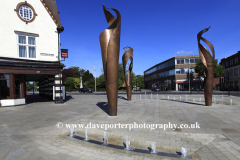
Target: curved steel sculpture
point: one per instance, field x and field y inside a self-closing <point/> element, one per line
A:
<point x="128" y="54"/>
<point x="110" y="42"/>
<point x="208" y="66"/>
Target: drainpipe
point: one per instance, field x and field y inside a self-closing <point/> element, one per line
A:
<point x="60" y="30"/>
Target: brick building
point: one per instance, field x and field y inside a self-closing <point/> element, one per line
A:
<point x="232" y="71"/>
<point x="172" y="74"/>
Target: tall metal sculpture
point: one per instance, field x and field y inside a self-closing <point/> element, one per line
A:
<point x="128" y="54"/>
<point x="208" y="66"/>
<point x="110" y="42"/>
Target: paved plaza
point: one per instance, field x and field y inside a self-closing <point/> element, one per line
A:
<point x="30" y="131"/>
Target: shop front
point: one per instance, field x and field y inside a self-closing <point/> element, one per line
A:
<point x="183" y="84"/>
<point x="15" y="73"/>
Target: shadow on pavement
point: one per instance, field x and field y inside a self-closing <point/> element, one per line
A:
<point x="36" y="98"/>
<point x="186" y="102"/>
<point x="103" y="106"/>
<point x="120" y="97"/>
<point x="69" y="97"/>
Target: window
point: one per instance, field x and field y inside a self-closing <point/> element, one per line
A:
<point x="192" y="60"/>
<point x="231" y="62"/>
<point x="235" y="71"/>
<point x="177" y="71"/>
<point x="4" y="86"/>
<point x="223" y="64"/>
<point x="226" y="73"/>
<point x="25" y="12"/>
<point x="182" y="71"/>
<point x="236" y="60"/>
<point x="231" y="72"/>
<point x="26" y="46"/>
<point x="180" y="61"/>
<point x="227" y="63"/>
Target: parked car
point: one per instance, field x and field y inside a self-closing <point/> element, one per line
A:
<point x="155" y="89"/>
<point x="85" y="89"/>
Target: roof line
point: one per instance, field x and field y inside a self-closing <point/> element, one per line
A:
<point x="56" y="20"/>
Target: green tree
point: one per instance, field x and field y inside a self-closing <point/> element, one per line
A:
<point x="100" y="81"/>
<point x="140" y="81"/>
<point x="29" y="86"/>
<point x="218" y="69"/>
<point x="87" y="76"/>
<point x="120" y="75"/>
<point x="69" y="83"/>
<point x="76" y="82"/>
<point x="77" y="72"/>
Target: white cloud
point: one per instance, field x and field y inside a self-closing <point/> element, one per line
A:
<point x="182" y="51"/>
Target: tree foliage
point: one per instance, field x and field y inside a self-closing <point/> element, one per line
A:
<point x="29" y="86"/>
<point x="77" y="71"/>
<point x="71" y="77"/>
<point x="100" y="81"/>
<point x="218" y="69"/>
<point x="69" y="83"/>
<point x="66" y="73"/>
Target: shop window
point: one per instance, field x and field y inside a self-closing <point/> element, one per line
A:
<point x="4" y="86"/>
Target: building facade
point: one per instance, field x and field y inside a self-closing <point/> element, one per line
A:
<point x="231" y="71"/>
<point x="173" y="74"/>
<point x="30" y="49"/>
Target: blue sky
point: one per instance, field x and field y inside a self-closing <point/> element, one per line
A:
<point x="156" y="29"/>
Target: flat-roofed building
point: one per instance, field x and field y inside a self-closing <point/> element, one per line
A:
<point x="172" y="74"/>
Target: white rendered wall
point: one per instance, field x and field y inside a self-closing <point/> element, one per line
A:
<point x="12" y="102"/>
<point x="43" y="25"/>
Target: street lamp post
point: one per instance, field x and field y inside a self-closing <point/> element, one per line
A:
<point x="95" y="78"/>
<point x="189" y="73"/>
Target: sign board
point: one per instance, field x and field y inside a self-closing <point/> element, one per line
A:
<point x="46" y="54"/>
<point x="64" y="53"/>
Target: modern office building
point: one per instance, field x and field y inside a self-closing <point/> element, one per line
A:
<point x="30" y="49"/>
<point x="172" y="74"/>
<point x="232" y="71"/>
